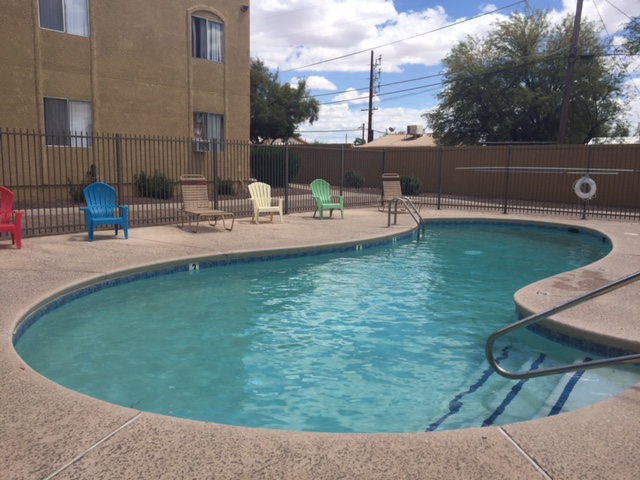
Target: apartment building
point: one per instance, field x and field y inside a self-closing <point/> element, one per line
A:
<point x="175" y="68"/>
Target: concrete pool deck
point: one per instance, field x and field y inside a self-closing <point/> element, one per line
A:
<point x="47" y="431"/>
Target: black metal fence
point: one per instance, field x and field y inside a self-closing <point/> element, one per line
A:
<point x="48" y="180"/>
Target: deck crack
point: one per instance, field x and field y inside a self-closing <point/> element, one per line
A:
<point x="92" y="447"/>
<point x="535" y="464"/>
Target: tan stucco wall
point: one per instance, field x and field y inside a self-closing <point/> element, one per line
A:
<point x="135" y="67"/>
<point x="17" y="105"/>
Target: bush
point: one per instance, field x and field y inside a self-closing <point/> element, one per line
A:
<point x="157" y="185"/>
<point x="410" y="185"/>
<point x="353" y="179"/>
<point x="268" y="165"/>
<point x="226" y="187"/>
<point x="76" y="191"/>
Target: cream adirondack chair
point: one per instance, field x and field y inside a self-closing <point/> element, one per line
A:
<point x="263" y="202"/>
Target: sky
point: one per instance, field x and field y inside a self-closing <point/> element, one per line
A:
<point x="329" y="44"/>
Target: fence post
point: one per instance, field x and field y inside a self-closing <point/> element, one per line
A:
<point x="342" y="170"/>
<point x="286" y="178"/>
<point x="585" y="202"/>
<point x="215" y="145"/>
<point x="119" y="168"/>
<point x="506" y="182"/>
<point x="440" y="178"/>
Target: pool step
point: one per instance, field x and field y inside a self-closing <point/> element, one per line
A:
<point x="499" y="401"/>
<point x="593" y="386"/>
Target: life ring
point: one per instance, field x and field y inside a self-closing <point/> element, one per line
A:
<point x="585" y="188"/>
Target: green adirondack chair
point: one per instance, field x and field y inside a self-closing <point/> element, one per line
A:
<point x="321" y="191"/>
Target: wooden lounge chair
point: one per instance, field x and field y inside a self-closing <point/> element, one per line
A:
<point x="263" y="202"/>
<point x="196" y="204"/>
<point x="10" y="220"/>
<point x="101" y="209"/>
<point x="321" y="191"/>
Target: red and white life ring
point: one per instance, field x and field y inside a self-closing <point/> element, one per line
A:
<point x="585" y="188"/>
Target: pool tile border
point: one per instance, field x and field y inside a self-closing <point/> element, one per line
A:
<point x="562" y="338"/>
<point x="81" y="292"/>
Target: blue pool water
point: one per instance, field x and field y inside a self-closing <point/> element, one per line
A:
<point x="385" y="339"/>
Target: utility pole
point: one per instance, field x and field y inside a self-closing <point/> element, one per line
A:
<point x="573" y="54"/>
<point x="372" y="78"/>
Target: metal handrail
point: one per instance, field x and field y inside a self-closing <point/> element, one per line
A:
<point x="411" y="208"/>
<point x="621" y="360"/>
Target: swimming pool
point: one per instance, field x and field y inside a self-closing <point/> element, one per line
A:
<point x="301" y="353"/>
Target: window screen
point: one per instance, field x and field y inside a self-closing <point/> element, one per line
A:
<point x="70" y="16"/>
<point x="67" y="122"/>
<point x="207" y="39"/>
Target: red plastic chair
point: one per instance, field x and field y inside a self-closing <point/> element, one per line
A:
<point x="10" y="220"/>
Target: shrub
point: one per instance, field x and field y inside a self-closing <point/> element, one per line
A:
<point x="353" y="179"/>
<point x="410" y="185"/>
<point x="226" y="187"/>
<point x="268" y="165"/>
<point x="157" y="185"/>
<point x="76" y="191"/>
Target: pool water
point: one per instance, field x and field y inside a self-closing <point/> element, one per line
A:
<point x="385" y="339"/>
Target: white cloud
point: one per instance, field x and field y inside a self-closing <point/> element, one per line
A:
<point x="353" y="96"/>
<point x="339" y="123"/>
<point x="311" y="33"/>
<point x="315" y="82"/>
<point x="289" y="34"/>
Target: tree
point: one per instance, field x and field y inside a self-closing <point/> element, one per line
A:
<point x="277" y="109"/>
<point x="632" y="35"/>
<point x="507" y="86"/>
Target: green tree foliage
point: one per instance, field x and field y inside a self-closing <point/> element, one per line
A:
<point x="277" y="109"/>
<point x="632" y="36"/>
<point x="508" y="86"/>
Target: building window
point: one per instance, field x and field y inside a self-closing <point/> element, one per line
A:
<point x="207" y="128"/>
<point x="67" y="122"/>
<point x="207" y="39"/>
<point x="70" y="16"/>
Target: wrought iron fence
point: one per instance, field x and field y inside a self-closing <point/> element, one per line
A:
<point x="48" y="180"/>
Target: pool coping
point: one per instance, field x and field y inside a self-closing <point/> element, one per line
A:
<point x="51" y="432"/>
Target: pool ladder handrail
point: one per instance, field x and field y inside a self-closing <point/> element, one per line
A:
<point x="411" y="208"/>
<point x="607" y="362"/>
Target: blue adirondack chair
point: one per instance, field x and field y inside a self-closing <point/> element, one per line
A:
<point x="321" y="191"/>
<point x="101" y="209"/>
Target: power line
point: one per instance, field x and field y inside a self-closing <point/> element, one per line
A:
<point x="620" y="65"/>
<point x="380" y="85"/>
<point x="616" y="9"/>
<point x="330" y="131"/>
<point x="405" y="39"/>
<point x="384" y="94"/>
<point x="548" y="57"/>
